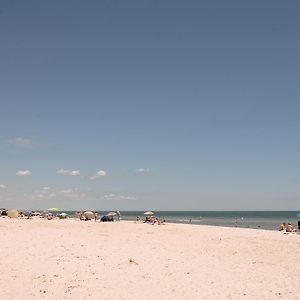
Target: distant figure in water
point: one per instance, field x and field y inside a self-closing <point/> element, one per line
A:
<point x="190" y="221"/>
<point x="236" y="222"/>
<point x="282" y="227"/>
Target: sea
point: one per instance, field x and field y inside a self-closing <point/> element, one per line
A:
<point x="269" y="220"/>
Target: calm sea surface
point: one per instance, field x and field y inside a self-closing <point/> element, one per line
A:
<point x="246" y="219"/>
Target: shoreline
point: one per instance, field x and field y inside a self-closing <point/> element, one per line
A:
<point x="269" y="220"/>
<point x="141" y="222"/>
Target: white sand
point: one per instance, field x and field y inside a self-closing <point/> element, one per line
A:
<point x="68" y="259"/>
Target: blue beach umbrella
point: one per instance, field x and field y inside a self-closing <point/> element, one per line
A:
<point x="27" y="213"/>
<point x="298" y="214"/>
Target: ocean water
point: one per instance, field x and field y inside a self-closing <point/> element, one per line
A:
<point x="247" y="219"/>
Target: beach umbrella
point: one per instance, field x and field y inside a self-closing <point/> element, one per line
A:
<point x="27" y="213"/>
<point x="62" y="215"/>
<point x="148" y="213"/>
<point x="13" y="213"/>
<point x="89" y="215"/>
<point x="298" y="214"/>
<point x="53" y="209"/>
<point x="112" y="213"/>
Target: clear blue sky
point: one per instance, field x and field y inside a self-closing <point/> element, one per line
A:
<point x="183" y="105"/>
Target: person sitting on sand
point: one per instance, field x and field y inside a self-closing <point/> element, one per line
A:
<point x="154" y="220"/>
<point x="290" y="228"/>
<point x="282" y="227"/>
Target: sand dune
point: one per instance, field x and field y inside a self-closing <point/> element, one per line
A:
<point x="70" y="259"/>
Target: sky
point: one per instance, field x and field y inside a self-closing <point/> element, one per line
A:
<point x="150" y="105"/>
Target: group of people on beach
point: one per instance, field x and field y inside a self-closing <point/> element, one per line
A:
<point x="151" y="220"/>
<point x="289" y="227"/>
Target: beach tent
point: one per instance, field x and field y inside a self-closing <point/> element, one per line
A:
<point x="112" y="216"/>
<point x="148" y="213"/>
<point x="107" y="219"/>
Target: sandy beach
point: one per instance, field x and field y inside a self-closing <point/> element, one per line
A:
<point x="71" y="259"/>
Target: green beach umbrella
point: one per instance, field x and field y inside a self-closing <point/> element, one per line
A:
<point x="53" y="209"/>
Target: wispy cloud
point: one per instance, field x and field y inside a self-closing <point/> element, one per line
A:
<point x="119" y="197"/>
<point x="110" y="196"/>
<point x="46" y="196"/>
<point x="23" y="173"/>
<point x="142" y="171"/>
<point x="68" y="173"/>
<point x="42" y="194"/>
<point x="20" y="142"/>
<point x="73" y="193"/>
<point x="100" y="173"/>
<point x="3" y="186"/>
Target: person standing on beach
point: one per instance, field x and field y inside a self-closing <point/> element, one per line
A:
<point x="96" y="216"/>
